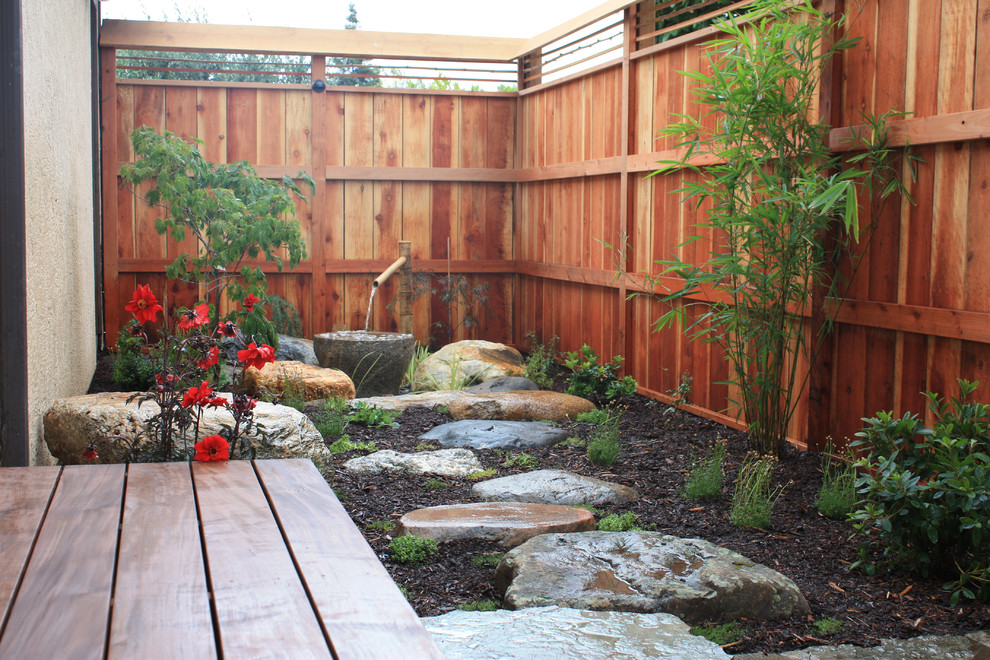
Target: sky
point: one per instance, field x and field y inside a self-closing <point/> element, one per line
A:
<point x="502" y="18"/>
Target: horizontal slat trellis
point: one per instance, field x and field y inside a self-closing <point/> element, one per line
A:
<point x="527" y="187"/>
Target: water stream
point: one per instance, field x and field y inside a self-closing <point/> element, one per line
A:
<point x="371" y="299"/>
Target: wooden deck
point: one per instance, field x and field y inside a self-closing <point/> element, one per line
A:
<point x="233" y="560"/>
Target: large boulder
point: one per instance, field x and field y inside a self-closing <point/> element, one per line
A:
<point x="312" y="382"/>
<point x="644" y="572"/>
<point x="111" y="423"/>
<point x="488" y="434"/>
<point x="444" y="462"/>
<point x="508" y="523"/>
<point x="553" y="487"/>
<point x="469" y="361"/>
<point x="556" y="633"/>
<point x="542" y="405"/>
<point x="503" y="384"/>
<point x="401" y="402"/>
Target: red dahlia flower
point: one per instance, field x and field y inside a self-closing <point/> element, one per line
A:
<point x="227" y="329"/>
<point x="198" y="396"/>
<point x="89" y="453"/>
<point x="193" y="318"/>
<point x="250" y="301"/>
<point x="212" y="357"/>
<point x="144" y="305"/>
<point x="212" y="448"/>
<point x="243" y="403"/>
<point x="255" y="356"/>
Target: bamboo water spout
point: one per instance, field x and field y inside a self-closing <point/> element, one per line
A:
<point x="387" y="273"/>
<point x="404" y="265"/>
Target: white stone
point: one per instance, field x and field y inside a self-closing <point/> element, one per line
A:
<point x="445" y="462"/>
<point x="553" y="487"/>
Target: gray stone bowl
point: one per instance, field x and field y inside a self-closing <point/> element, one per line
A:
<point x="375" y="361"/>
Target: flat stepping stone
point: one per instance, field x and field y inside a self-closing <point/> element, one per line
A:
<point x="553" y="487"/>
<point x="555" y="633"/>
<point x="944" y="647"/>
<point x="401" y="402"/>
<point x="493" y="434"/>
<point x="644" y="572"/>
<point x="444" y="462"/>
<point x="507" y="523"/>
<point x="518" y="406"/>
<point x="503" y="384"/>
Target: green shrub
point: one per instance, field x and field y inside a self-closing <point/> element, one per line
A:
<point x="487" y="559"/>
<point x="420" y="353"/>
<point x="435" y="484"/>
<point x="344" y="444"/>
<point x="133" y="372"/>
<point x="482" y="474"/>
<point x="572" y="442"/>
<point x="625" y="522"/>
<point x="479" y="606"/>
<point x="332" y="419"/>
<point x="828" y="626"/>
<point x="293" y="392"/>
<point x="603" y="445"/>
<point x="596" y="416"/>
<point x="373" y="416"/>
<point x="754" y="497"/>
<point x="706" y="476"/>
<point x="721" y="634"/>
<point x="522" y="460"/>
<point x="413" y="550"/>
<point x="837" y="496"/>
<point x="425" y="446"/>
<point x="540" y="361"/>
<point x="925" y="493"/>
<point x="592" y="380"/>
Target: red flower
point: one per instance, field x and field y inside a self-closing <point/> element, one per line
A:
<point x="212" y="448"/>
<point x="216" y="402"/>
<point x="89" y="453"/>
<point x="168" y="378"/>
<point x="193" y="318"/>
<point x="212" y="357"/>
<point x="243" y="403"/>
<point x="197" y="396"/>
<point x="227" y="329"/>
<point x="256" y="357"/>
<point x="250" y="301"/>
<point x="144" y="305"/>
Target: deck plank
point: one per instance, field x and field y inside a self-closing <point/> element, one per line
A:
<point x="24" y="495"/>
<point x="63" y="604"/>
<point x="161" y="603"/>
<point x="257" y="592"/>
<point x="364" y="612"/>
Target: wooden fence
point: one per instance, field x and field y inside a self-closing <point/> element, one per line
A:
<point x="526" y="186"/>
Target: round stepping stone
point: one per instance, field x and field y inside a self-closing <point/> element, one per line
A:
<point x="507" y="523"/>
<point x="555" y="633"/>
<point x="553" y="487"/>
<point x="489" y="434"/>
<point x="693" y="579"/>
<point x="445" y="462"/>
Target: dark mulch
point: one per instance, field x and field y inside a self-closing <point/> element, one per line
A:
<point x="812" y="550"/>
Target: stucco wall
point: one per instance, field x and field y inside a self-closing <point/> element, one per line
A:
<point x="59" y="206"/>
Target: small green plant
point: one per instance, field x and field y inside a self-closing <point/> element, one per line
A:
<point x="435" y="484"/>
<point x="132" y="371"/>
<point x="332" y="419"/>
<point x="572" y="442"/>
<point x="925" y="493"/>
<point x="828" y="626"/>
<point x="285" y="318"/>
<point x="487" y="559"/>
<point x="837" y="496"/>
<point x="425" y="446"/>
<point x="381" y="525"/>
<point x="479" y="606"/>
<point x="405" y="592"/>
<point x="522" y="460"/>
<point x="706" y="476"/>
<point x="540" y="362"/>
<point x="594" y="380"/>
<point x="595" y="511"/>
<point x="293" y="392"/>
<point x="603" y="445"/>
<point x="373" y="416"/>
<point x="420" y="353"/>
<point x="413" y="550"/>
<point x="721" y="633"/>
<point x="754" y="496"/>
<point x="596" y="416"/>
<point x="443" y="410"/>
<point x="344" y="444"/>
<point x="679" y="396"/>
<point x="624" y="522"/>
<point x="482" y="474"/>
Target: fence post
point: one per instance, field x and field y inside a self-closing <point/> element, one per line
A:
<point x="321" y="321"/>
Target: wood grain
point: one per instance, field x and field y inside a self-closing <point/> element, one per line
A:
<point x="63" y="605"/>
<point x="160" y="598"/>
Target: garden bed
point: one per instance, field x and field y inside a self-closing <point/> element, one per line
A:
<point x="812" y="550"/>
